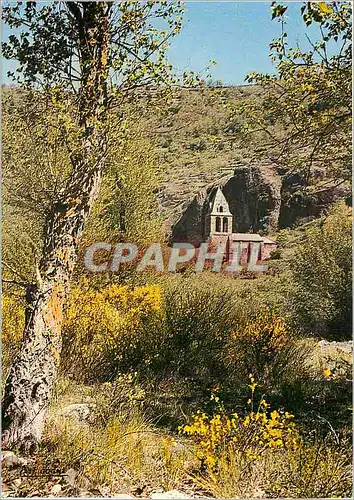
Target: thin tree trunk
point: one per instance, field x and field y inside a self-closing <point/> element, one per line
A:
<point x="33" y="372"/>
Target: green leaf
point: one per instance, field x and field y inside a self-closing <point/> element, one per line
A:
<point x="278" y="11"/>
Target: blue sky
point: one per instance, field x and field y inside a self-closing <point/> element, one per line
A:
<point x="235" y="34"/>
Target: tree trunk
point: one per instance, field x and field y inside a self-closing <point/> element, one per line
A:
<point x="33" y="372"/>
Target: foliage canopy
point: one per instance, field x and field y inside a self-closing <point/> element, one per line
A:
<point x="304" y="117"/>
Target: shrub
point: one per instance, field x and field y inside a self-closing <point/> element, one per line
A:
<point x="102" y="329"/>
<point x="220" y="435"/>
<point x="322" y="270"/>
<point x="275" y="254"/>
<point x="255" y="347"/>
<point x="120" y="398"/>
<point x="264" y="454"/>
<point x="194" y="331"/>
<point x="319" y="468"/>
<point x="197" y="145"/>
<point x="181" y="330"/>
<point x="206" y="333"/>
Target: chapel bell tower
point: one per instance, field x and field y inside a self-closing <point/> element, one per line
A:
<point x="219" y="217"/>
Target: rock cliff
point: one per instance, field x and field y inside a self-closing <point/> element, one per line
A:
<point x="260" y="200"/>
<point x="254" y="196"/>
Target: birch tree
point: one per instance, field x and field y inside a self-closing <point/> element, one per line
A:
<point x="95" y="54"/>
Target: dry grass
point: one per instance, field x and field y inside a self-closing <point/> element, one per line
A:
<point x="115" y="453"/>
<point x="316" y="470"/>
<point x="118" y="449"/>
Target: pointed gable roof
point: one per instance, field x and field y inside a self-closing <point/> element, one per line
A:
<point x="219" y="201"/>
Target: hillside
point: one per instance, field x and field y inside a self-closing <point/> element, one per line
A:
<point x="199" y="145"/>
<point x="196" y="141"/>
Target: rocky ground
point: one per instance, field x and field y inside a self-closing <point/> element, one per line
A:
<point x="19" y="472"/>
<point x="23" y="476"/>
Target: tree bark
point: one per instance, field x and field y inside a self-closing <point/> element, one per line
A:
<point x="29" y="385"/>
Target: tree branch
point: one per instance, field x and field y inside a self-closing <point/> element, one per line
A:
<point x="10" y="268"/>
<point x="14" y="282"/>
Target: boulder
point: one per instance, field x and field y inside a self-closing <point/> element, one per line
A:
<point x="123" y="495"/>
<point x="11" y="460"/>
<point x="56" y="489"/>
<point x="82" y="412"/>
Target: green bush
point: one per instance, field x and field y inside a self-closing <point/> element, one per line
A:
<point x="193" y="334"/>
<point x="322" y="274"/>
<point x="253" y="348"/>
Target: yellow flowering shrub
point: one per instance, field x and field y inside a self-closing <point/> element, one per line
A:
<point x="268" y="330"/>
<point x="257" y="344"/>
<point x="102" y="324"/>
<point x="220" y="435"/>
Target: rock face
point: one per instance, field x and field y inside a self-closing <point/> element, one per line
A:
<point x="253" y="194"/>
<point x="254" y="199"/>
<point x="190" y="224"/>
<point x="260" y="200"/>
<point x="296" y="204"/>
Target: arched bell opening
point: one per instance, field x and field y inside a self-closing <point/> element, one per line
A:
<point x="218" y="224"/>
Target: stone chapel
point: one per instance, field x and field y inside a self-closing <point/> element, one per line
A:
<point x="218" y="229"/>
